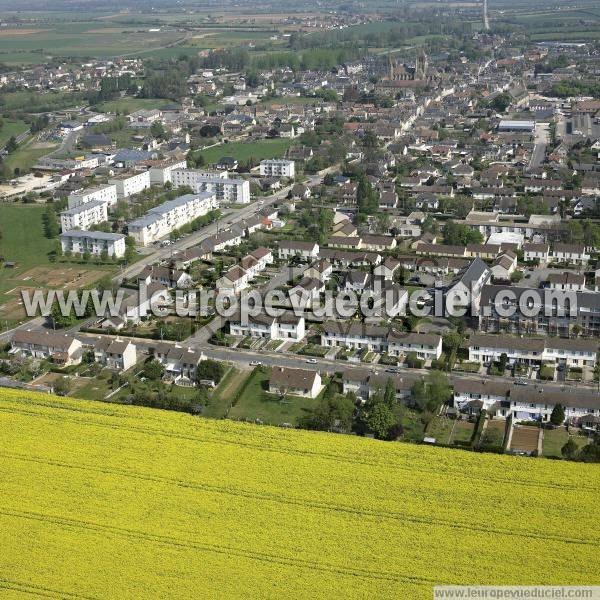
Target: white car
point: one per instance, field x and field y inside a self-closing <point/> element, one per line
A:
<point x="255" y="363"/>
<point x="312" y="361"/>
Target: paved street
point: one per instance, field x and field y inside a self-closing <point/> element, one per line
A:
<point x="541" y="142"/>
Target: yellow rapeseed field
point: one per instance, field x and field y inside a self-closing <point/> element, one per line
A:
<point x="106" y="501"/>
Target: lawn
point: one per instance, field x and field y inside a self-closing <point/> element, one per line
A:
<point x="26" y="156"/>
<point x="11" y="127"/>
<point x="555" y="439"/>
<point x="462" y="432"/>
<point x="104" y="500"/>
<point x="256" y="403"/>
<point x="22" y="238"/>
<point x="23" y="241"/>
<point x="440" y="429"/>
<point x="224" y="394"/>
<point x="242" y="151"/>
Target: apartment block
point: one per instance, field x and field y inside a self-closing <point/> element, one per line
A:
<point x="277" y="168"/>
<point x="94" y="242"/>
<point x="226" y="189"/>
<point x="84" y="216"/>
<point x="173" y="214"/>
<point x="128" y="184"/>
<point x="103" y="193"/>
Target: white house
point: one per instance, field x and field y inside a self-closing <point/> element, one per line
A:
<point x="536" y="252"/>
<point x="572" y="282"/>
<point x="59" y="347"/>
<point x="94" y="242"/>
<point x="117" y="354"/>
<point x="84" y="216"/>
<point x="305" y="250"/>
<point x="235" y="279"/>
<point x="574" y="254"/>
<point x="297" y="382"/>
<point x="533" y="351"/>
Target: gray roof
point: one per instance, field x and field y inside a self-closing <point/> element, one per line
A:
<point x="97" y="235"/>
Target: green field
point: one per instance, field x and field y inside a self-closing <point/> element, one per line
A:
<point x="110" y="501"/>
<point x="555" y="439"/>
<point x="94" y="38"/>
<point x="256" y="403"/>
<point x="24" y="242"/>
<point x="11" y="127"/>
<point x="242" y="151"/>
<point x="23" y="237"/>
<point x="25" y="157"/>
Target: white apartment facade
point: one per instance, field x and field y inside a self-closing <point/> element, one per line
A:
<point x="161" y="220"/>
<point x="84" y="216"/>
<point x="94" y="242"/>
<point x="129" y="184"/>
<point x="161" y="173"/>
<point x="226" y="189"/>
<point x="277" y="168"/>
<point x="103" y="193"/>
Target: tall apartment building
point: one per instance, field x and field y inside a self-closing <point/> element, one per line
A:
<point x="102" y="193"/>
<point x="160" y="173"/>
<point x="94" y="242"/>
<point x="84" y="216"/>
<point x="226" y="189"/>
<point x="161" y="220"/>
<point x="129" y="184"/>
<point x="277" y="168"/>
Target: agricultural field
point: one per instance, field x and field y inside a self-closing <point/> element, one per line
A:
<point x="114" y="501"/>
<point x="242" y="151"/>
<point x="94" y="38"/>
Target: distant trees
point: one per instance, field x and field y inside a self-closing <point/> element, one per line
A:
<point x="153" y="370"/>
<point x="501" y="102"/>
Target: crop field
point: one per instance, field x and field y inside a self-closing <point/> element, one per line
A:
<point x="110" y="501"/>
<point x="95" y="39"/>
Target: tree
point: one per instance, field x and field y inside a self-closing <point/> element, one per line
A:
<point x="389" y="395"/>
<point x="381" y="420"/>
<point x="501" y="102"/>
<point x="158" y="131"/>
<point x="458" y="234"/>
<point x="570" y="449"/>
<point x="11" y="145"/>
<point x="503" y="362"/>
<point x="557" y="416"/>
<point x="431" y="392"/>
<point x="210" y="370"/>
<point x="62" y="386"/>
<point x="153" y="370"/>
<point x="334" y="412"/>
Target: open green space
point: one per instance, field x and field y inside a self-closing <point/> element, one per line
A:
<point x="555" y="439"/>
<point x="255" y="403"/>
<point x="242" y="151"/>
<point x="223" y="395"/>
<point x="11" y="127"/>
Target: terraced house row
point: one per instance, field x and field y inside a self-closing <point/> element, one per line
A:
<point x="534" y="351"/>
<point x="375" y="338"/>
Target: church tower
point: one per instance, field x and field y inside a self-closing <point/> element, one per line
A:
<point x="421" y="66"/>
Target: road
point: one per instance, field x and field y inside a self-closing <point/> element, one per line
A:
<point x="541" y="143"/>
<point x="233" y="216"/>
<point x="243" y="359"/>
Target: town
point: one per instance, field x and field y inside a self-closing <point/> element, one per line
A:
<point x="439" y="169"/>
